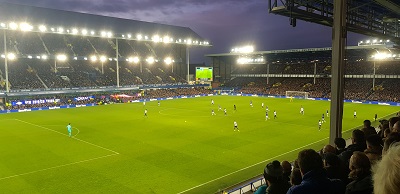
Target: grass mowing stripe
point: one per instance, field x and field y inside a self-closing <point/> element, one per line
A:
<point x="269" y="159"/>
<point x="54" y="167"/>
<point x="67" y="136"/>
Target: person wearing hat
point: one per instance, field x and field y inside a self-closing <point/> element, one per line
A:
<point x="273" y="174"/>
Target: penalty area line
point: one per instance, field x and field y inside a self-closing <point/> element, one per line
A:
<point x="234" y="172"/>
<point x="54" y="167"/>
<point x="95" y="145"/>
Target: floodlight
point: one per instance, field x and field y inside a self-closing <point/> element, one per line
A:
<point x="109" y="34"/>
<point x="61" y="57"/>
<point x="52" y="29"/>
<point x="150" y="60"/>
<point x="139" y="37"/>
<point x="374" y="41"/>
<point x="84" y="32"/>
<point x="123" y="36"/>
<point x="189" y="41"/>
<point x="368" y="41"/>
<point x="11" y="56"/>
<point x="110" y="59"/>
<point x="103" y="58"/>
<point x="60" y="30"/>
<point x="129" y="36"/>
<point x="29" y="56"/>
<point x="146" y="37"/>
<point x="92" y="32"/>
<point x="135" y="60"/>
<point x="74" y="31"/>
<point x="387" y="40"/>
<point x="156" y="38"/>
<point x="13" y="25"/>
<point x="93" y="58"/>
<point x="85" y="58"/>
<point x="180" y="40"/>
<point x="42" y="28"/>
<point x="25" y="26"/>
<point x="3" y="25"/>
<point x="380" y="40"/>
<point x="44" y="57"/>
<point x="361" y="42"/>
<point x="75" y="58"/>
<point x="168" y="60"/>
<point x="103" y="34"/>
<point x="166" y="39"/>
<point x="3" y="56"/>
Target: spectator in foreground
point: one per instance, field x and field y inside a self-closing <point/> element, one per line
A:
<point x="374" y="148"/>
<point x="315" y="180"/>
<point x="396" y="127"/>
<point x="368" y="129"/>
<point x="273" y="174"/>
<point x="358" y="144"/>
<point x="392" y="121"/>
<point x="360" y="173"/>
<point x="333" y="167"/>
<point x="386" y="174"/>
<point x="295" y="177"/>
<point x="340" y="145"/>
<point x="287" y="170"/>
<point x="391" y="139"/>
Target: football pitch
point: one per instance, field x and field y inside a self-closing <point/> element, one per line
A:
<point x="179" y="147"/>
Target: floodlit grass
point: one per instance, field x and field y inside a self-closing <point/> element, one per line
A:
<point x="179" y="147"/>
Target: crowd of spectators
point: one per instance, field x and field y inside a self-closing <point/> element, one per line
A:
<point x="368" y="165"/>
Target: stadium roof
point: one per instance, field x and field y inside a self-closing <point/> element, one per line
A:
<point x="359" y="52"/>
<point x="58" y="18"/>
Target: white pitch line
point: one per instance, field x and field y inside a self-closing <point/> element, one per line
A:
<point x="67" y="136"/>
<point x="76" y="133"/>
<point x="265" y="160"/>
<point x="54" y="167"/>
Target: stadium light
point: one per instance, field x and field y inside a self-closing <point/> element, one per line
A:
<point x="75" y="31"/>
<point x="42" y="28"/>
<point x="146" y="37"/>
<point x="244" y="49"/>
<point x="52" y="29"/>
<point x="168" y="60"/>
<point x="25" y="26"/>
<point x="155" y="38"/>
<point x="133" y="60"/>
<point x="29" y="56"/>
<point x="139" y="37"/>
<point x="3" y="25"/>
<point x="61" y="57"/>
<point x="84" y="32"/>
<point x="60" y="30"/>
<point x="103" y="33"/>
<point x="150" y="60"/>
<point x="3" y="56"/>
<point x="13" y="25"/>
<point x="166" y="39"/>
<point x="11" y="56"/>
<point x="129" y="36"/>
<point x="103" y="58"/>
<point x="189" y="41"/>
<point x="381" y="56"/>
<point x="109" y="34"/>
<point x="93" y="58"/>
<point x="44" y="57"/>
<point x="92" y="32"/>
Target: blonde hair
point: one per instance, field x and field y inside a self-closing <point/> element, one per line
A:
<point x="386" y="173"/>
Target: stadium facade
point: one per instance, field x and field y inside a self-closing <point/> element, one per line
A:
<point x="47" y="49"/>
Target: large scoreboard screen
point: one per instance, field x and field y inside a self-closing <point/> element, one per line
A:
<point x="204" y="74"/>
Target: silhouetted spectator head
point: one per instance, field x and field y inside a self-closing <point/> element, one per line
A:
<point x="386" y="133"/>
<point x="273" y="172"/>
<point x="374" y="142"/>
<point x="359" y="165"/>
<point x="392" y="121"/>
<point x="331" y="159"/>
<point x="367" y="123"/>
<point x="309" y="160"/>
<point x="386" y="173"/>
<point x="328" y="149"/>
<point x="287" y="167"/>
<point x="396" y="127"/>
<point x="295" y="177"/>
<point x="358" y="137"/>
<point x="391" y="139"/>
<point x="340" y="143"/>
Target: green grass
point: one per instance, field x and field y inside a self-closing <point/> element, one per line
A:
<point x="178" y="147"/>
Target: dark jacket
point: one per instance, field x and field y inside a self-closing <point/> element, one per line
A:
<point x="317" y="182"/>
<point x="345" y="156"/>
<point x="362" y="185"/>
<point x="280" y="187"/>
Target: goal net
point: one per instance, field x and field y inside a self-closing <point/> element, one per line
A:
<point x="298" y="94"/>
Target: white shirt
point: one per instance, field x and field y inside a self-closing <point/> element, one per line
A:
<point x="319" y="123"/>
<point x="235" y="124"/>
<point x="274" y="112"/>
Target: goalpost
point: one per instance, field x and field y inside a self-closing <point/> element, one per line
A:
<point x="298" y="94"/>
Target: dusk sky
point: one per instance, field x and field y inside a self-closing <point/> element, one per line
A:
<point x="225" y="23"/>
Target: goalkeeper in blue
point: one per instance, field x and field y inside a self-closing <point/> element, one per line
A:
<point x="69" y="128"/>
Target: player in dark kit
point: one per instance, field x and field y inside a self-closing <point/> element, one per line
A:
<point x="234" y="107"/>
